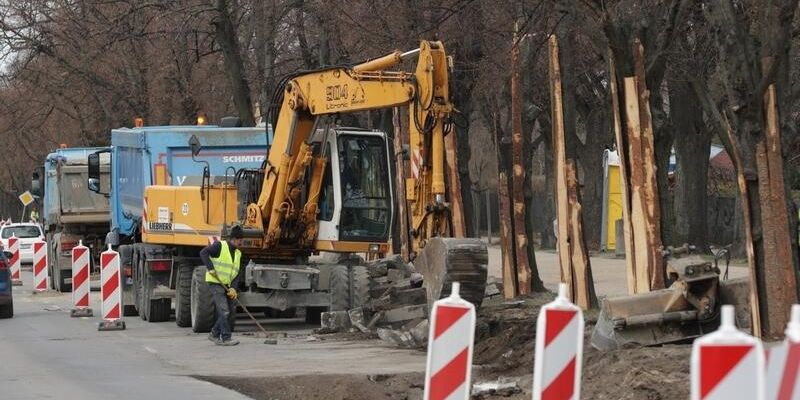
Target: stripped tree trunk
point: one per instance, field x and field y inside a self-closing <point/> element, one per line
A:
<point x="576" y="271"/>
<point x="559" y="149"/>
<point x="655" y="262"/>
<point x="506" y="237"/>
<point x="585" y="296"/>
<point x="459" y="227"/>
<point x="779" y="280"/>
<point x="518" y="177"/>
<point x="400" y="183"/>
<point x="622" y="145"/>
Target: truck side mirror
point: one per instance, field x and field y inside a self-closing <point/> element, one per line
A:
<point x="36" y="184"/>
<point x="94" y="173"/>
<point x="194" y="144"/>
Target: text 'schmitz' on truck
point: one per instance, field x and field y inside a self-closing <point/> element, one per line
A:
<point x="328" y="188"/>
<point x="160" y="156"/>
<point x="70" y="213"/>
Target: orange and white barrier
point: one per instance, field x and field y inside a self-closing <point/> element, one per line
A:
<point x="110" y="291"/>
<point x="559" y="350"/>
<point x="13" y="248"/>
<point x="80" y="281"/>
<point x="39" y="266"/>
<point x="450" y="340"/>
<point x="727" y="364"/>
<point x="783" y="363"/>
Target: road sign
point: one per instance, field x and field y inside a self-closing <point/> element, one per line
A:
<point x="26" y="198"/>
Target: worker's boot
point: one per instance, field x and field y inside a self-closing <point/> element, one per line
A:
<point x="213" y="337"/>
<point x="228" y="342"/>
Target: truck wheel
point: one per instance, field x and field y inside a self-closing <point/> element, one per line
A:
<point x="157" y="310"/>
<point x="7" y="310"/>
<point x="201" y="304"/>
<point x="183" y="295"/>
<point x="349" y="287"/>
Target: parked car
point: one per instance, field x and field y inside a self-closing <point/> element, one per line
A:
<point x="6" y="299"/>
<point x="27" y="233"/>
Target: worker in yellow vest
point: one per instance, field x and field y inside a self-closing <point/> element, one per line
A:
<point x="223" y="261"/>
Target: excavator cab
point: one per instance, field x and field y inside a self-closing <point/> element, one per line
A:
<point x="356" y="197"/>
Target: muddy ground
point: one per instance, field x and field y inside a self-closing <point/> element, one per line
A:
<point x="504" y="348"/>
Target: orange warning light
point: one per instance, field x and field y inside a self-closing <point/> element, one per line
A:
<point x="138" y="122"/>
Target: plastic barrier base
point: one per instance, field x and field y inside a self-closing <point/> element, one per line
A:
<point x="16" y="282"/>
<point x="80" y="312"/>
<point x="117" y="325"/>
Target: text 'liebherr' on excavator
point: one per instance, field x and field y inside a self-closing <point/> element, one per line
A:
<point x="328" y="188"/>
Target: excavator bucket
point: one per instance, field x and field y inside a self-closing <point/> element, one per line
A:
<point x="687" y="309"/>
<point x="446" y="260"/>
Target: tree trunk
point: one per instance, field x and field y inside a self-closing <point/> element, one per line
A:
<point x="228" y="40"/>
<point x="518" y="177"/>
<point x="692" y="147"/>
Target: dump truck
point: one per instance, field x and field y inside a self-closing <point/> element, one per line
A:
<point x="328" y="188"/>
<point x="160" y="155"/>
<point x="70" y="213"/>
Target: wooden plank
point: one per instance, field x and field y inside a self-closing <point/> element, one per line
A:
<point x="518" y="177"/>
<point x="651" y="205"/>
<point x="459" y="228"/>
<point x="562" y="203"/>
<point x="779" y="277"/>
<point x="506" y="248"/>
<point x="630" y="254"/>
<point x="736" y="157"/>
<point x="400" y="183"/>
<point x="638" y="222"/>
<point x="581" y="267"/>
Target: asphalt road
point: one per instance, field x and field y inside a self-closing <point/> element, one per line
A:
<point x="46" y="354"/>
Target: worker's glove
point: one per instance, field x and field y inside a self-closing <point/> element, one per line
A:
<point x="212" y="272"/>
<point x="232" y="294"/>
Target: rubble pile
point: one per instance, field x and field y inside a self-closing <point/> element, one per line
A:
<point x="396" y="310"/>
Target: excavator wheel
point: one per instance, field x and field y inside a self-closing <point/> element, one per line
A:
<point x="446" y="260"/>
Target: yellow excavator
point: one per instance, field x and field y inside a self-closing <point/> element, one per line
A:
<point x="329" y="188"/>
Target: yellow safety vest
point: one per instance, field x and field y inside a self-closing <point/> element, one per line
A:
<point x="227" y="267"/>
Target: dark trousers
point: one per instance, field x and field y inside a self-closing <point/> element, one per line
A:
<point x="224" y="307"/>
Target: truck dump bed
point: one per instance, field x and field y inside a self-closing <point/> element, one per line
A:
<point x="67" y="199"/>
<point x="160" y="155"/>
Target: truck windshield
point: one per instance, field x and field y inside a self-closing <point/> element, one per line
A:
<point x="366" y="208"/>
<point x="22" y="232"/>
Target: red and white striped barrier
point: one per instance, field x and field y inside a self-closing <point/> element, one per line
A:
<point x="450" y="340"/>
<point x="559" y="350"/>
<point x="783" y="363"/>
<point x="727" y="364"/>
<point x="13" y="248"/>
<point x="110" y="291"/>
<point x="39" y="266"/>
<point x="80" y="281"/>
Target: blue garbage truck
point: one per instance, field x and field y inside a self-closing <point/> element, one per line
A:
<point x="161" y="155"/>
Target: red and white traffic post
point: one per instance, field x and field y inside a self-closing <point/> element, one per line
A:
<point x="80" y="281"/>
<point x="450" y="341"/>
<point x="39" y="266"/>
<point x="559" y="350"/>
<point x="783" y="363"/>
<point x="110" y="291"/>
<point x="13" y="248"/>
<point x="727" y="364"/>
